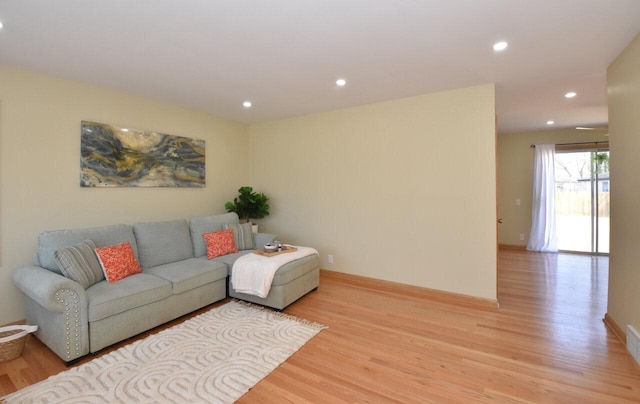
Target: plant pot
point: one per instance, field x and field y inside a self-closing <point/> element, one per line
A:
<point x="254" y="228"/>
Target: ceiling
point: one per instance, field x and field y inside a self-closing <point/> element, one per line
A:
<point x="285" y="55"/>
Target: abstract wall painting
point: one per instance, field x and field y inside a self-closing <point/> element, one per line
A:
<point x="113" y="156"/>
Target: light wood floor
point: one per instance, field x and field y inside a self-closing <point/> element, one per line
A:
<point x="393" y="343"/>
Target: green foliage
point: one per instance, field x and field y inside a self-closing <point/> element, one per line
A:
<point x="249" y="205"/>
<point x="601" y="162"/>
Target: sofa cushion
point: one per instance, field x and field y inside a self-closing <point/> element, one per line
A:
<point x="162" y="242"/>
<point x="108" y="299"/>
<point x="79" y="263"/>
<point x="219" y="243"/>
<point x="284" y="274"/>
<point x="242" y="235"/>
<point x="229" y="259"/>
<point x="117" y="261"/>
<point x="51" y="241"/>
<point x="295" y="269"/>
<point x="190" y="273"/>
<point x="207" y="224"/>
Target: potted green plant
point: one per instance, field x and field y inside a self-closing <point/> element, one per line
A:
<point x="249" y="205"/>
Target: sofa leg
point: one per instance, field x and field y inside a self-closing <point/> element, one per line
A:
<point x="73" y="362"/>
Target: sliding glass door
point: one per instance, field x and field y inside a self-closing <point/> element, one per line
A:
<point x="582" y="200"/>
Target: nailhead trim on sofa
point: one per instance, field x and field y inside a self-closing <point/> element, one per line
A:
<point x="72" y="320"/>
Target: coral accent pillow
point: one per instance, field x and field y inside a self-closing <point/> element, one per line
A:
<point x="118" y="261"/>
<point x="220" y="243"/>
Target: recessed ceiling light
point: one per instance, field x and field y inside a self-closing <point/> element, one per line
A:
<point x="1" y="25"/>
<point x="246" y="104"/>
<point x="341" y="82"/>
<point x="550" y="122"/>
<point x="570" y="94"/>
<point x="500" y="46"/>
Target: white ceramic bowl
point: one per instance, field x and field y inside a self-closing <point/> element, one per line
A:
<point x="270" y="247"/>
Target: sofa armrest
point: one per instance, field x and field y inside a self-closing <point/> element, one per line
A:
<point x="59" y="307"/>
<point x="263" y="238"/>
<point x="42" y="286"/>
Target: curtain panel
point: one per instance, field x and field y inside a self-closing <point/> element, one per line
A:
<point x="543" y="235"/>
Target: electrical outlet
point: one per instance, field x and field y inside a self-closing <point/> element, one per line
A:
<point x="521" y="237"/>
<point x="330" y="258"/>
<point x="517" y="202"/>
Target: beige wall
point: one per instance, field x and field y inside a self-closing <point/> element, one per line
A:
<point x="394" y="190"/>
<point x="623" y="78"/>
<point x="515" y="176"/>
<point x="40" y="163"/>
<point x="403" y="190"/>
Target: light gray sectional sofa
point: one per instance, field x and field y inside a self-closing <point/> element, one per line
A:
<point x="176" y="279"/>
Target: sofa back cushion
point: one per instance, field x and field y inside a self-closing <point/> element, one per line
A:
<point x="51" y="241"/>
<point x="207" y="224"/>
<point x="162" y="242"/>
<point x="242" y="235"/>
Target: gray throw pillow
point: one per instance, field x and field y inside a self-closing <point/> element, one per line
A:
<point x="79" y="263"/>
<point x="242" y="235"/>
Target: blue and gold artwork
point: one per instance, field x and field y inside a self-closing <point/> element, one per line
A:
<point x="120" y="157"/>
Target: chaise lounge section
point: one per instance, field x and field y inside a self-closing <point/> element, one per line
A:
<point x="291" y="281"/>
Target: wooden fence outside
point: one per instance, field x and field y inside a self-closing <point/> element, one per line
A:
<point x="579" y="203"/>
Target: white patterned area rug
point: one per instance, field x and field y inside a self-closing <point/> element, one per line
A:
<point x="214" y="357"/>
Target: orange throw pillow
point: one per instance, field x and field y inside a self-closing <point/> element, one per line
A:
<point x="118" y="261"/>
<point x="220" y="243"/>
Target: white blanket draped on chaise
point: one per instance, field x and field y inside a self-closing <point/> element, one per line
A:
<point x="252" y="274"/>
